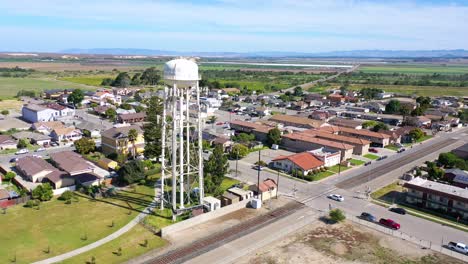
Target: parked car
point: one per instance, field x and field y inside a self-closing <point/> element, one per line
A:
<point x="14" y="160"/>
<point x="398" y="210"/>
<point x="257" y="167"/>
<point x="389" y="223"/>
<point x="367" y="163"/>
<point x="368" y="217"/>
<point x="373" y="150"/>
<point x="22" y="151"/>
<point x="401" y="150"/>
<point x="54" y="144"/>
<point x="336" y="197"/>
<point x="219" y="123"/>
<point x="459" y="247"/>
<point x="40" y="149"/>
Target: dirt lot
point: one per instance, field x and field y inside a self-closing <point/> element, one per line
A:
<point x="343" y="243"/>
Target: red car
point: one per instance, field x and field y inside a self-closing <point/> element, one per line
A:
<point x="389" y="223"/>
<point x="219" y="123"/>
<point x="373" y="150"/>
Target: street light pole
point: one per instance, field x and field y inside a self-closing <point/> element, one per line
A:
<point x="277" y="185"/>
<point x="258" y="174"/>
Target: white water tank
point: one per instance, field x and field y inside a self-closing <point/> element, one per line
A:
<point x="182" y="72"/>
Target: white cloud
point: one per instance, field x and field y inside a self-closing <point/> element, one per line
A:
<point x="302" y="25"/>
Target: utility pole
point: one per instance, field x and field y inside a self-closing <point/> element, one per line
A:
<point x="277" y="185"/>
<point x="258" y="174"/>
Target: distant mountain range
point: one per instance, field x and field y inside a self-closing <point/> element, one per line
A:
<point x="341" y="54"/>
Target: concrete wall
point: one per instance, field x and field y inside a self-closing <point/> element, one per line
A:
<point x="64" y="189"/>
<point x="168" y="230"/>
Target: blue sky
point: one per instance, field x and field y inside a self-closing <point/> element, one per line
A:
<point x="230" y="25"/>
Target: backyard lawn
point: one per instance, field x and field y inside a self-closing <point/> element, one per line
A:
<point x="322" y="175"/>
<point x="371" y="156"/>
<point x="28" y="233"/>
<point x="132" y="244"/>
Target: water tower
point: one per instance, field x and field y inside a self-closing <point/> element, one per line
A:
<point x="181" y="77"/>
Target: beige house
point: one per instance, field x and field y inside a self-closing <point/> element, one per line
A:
<point x="268" y="189"/>
<point x="34" y="169"/>
<point x="115" y="140"/>
<point x="7" y="142"/>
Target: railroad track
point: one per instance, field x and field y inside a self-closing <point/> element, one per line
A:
<point x="398" y="163"/>
<point x="211" y="242"/>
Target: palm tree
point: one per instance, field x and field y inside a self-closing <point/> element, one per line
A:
<point x="132" y="136"/>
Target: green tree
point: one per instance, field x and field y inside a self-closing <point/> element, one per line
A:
<point x="463" y="115"/>
<point x="22" y="143"/>
<point x="153" y="128"/>
<point x="393" y="107"/>
<point x="424" y="101"/>
<point x="416" y="134"/>
<point x="150" y="76"/>
<point x="380" y="126"/>
<point x="215" y="168"/>
<point x="435" y="173"/>
<point x="298" y="91"/>
<point x="66" y="196"/>
<point x="76" y="97"/>
<point x="107" y="82"/>
<point x="9" y="176"/>
<point x="238" y="151"/>
<point x="136" y="79"/>
<point x="85" y="145"/>
<point x="274" y="136"/>
<point x="5" y="112"/>
<point x="369" y="124"/>
<point x="132" y="137"/>
<point x="244" y="138"/>
<point x="122" y="80"/>
<point x="337" y="215"/>
<point x="43" y="192"/>
<point x="111" y="114"/>
<point x="131" y="172"/>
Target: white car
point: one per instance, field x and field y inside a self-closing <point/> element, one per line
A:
<point x="40" y="149"/>
<point x="22" y="151"/>
<point x="336" y="197"/>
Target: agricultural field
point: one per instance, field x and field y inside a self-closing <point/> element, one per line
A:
<point x="9" y="87"/>
<point x="416" y="90"/>
<point x="415" y="69"/>
<point x="28" y="233"/>
<point x="93" y="80"/>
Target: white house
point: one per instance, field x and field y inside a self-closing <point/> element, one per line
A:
<point x="66" y="133"/>
<point x="330" y="158"/>
<point x="106" y="98"/>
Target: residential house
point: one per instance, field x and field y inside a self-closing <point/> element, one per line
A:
<point x="59" y="179"/>
<point x="384" y="95"/>
<point x="7" y="142"/>
<point x="267" y="189"/>
<point x="105" y="98"/>
<point x="300" y="142"/>
<point x="225" y="143"/>
<point x="46" y="127"/>
<point x="320" y="115"/>
<point x="33" y="168"/>
<point x="115" y="140"/>
<point x="262" y="111"/>
<point x="361" y="146"/>
<point x="55" y="94"/>
<point x="33" y="137"/>
<point x="132" y="118"/>
<point x="101" y="109"/>
<point x="121" y="111"/>
<point x="71" y="162"/>
<point x="304" y="162"/>
<point x="302" y="122"/>
<point x="438" y="196"/>
<point x="357" y="109"/>
<point x="301" y="105"/>
<point x="66" y="134"/>
<point x="457" y="177"/>
<point x="345" y="122"/>
<point x="328" y="156"/>
<point x="462" y="151"/>
<point x="374" y="107"/>
<point x="377" y="139"/>
<point x="336" y="99"/>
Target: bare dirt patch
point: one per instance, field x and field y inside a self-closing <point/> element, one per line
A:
<point x="342" y="244"/>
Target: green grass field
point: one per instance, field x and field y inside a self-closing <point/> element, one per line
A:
<point x="356" y="162"/>
<point x="132" y="244"/>
<point x="9" y="87"/>
<point x="338" y="168"/>
<point x="28" y="232"/>
<point x="371" y="156"/>
<point x="93" y="80"/>
<point x="322" y="175"/>
<point x="417" y="90"/>
<point x="415" y="69"/>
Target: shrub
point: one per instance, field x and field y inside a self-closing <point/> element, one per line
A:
<point x="32" y="203"/>
<point x="337" y="215"/>
<point x="67" y="195"/>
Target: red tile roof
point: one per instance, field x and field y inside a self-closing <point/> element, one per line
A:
<point x="361" y="132"/>
<point x="309" y="138"/>
<point x="338" y="138"/>
<point x="304" y="160"/>
<point x="267" y="184"/>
